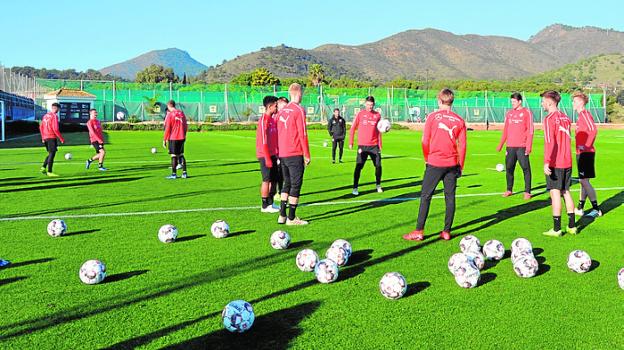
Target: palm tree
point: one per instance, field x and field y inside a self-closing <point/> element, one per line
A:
<point x="316" y="74"/>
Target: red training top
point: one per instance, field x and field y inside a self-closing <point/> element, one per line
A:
<point x="518" y="129"/>
<point x="293" y="135"/>
<point x="557" y="141"/>
<point x="95" y="131"/>
<point x="365" y="123"/>
<point x="49" y="127"/>
<point x="444" y="139"/>
<point x="266" y="137"/>
<point x="175" y="125"/>
<point x="585" y="133"/>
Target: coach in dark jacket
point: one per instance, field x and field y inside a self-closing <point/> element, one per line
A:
<point x="337" y="128"/>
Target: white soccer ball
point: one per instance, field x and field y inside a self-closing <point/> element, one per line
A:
<point x="500" y="168"/>
<point x="477" y="259"/>
<point x="154" y="150"/>
<point x="526" y="267"/>
<point x="521" y="244"/>
<point x="467" y="275"/>
<point x="68" y="156"/>
<point x="306" y="260"/>
<point x="220" y="229"/>
<point x="326" y="271"/>
<point x="470" y="243"/>
<point x="456" y="260"/>
<point x="384" y="125"/>
<point x="494" y="250"/>
<point x="344" y="245"/>
<point x="621" y="278"/>
<point x="57" y="228"/>
<point x="325" y="143"/>
<point x="517" y="255"/>
<point x="337" y="255"/>
<point x="92" y="272"/>
<point x="579" y="261"/>
<point x="393" y="285"/>
<point x="238" y="316"/>
<point x="280" y="240"/>
<point x="167" y="233"/>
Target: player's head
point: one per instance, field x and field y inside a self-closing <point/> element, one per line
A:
<point x="369" y="103"/>
<point x="516" y="100"/>
<point x="550" y="100"/>
<point x="270" y="104"/>
<point x="296" y="92"/>
<point x="445" y="98"/>
<point x="92" y="113"/>
<point x="281" y="103"/>
<point x="171" y="105"/>
<point x="55" y="107"/>
<point x="336" y="112"/>
<point x="579" y="100"/>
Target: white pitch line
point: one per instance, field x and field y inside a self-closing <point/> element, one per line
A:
<point x="195" y="210"/>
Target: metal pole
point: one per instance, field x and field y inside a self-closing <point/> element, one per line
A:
<point x="201" y="105"/>
<point x="114" y="92"/>
<point x="604" y="104"/>
<point x="170" y="91"/>
<point x="227" y="109"/>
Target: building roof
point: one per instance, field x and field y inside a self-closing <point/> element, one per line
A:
<point x="63" y="92"/>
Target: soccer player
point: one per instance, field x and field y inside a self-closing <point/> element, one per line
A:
<point x="337" y="128"/>
<point x="49" y="130"/>
<point x="175" y="135"/>
<point x="444" y="150"/>
<point x="557" y="161"/>
<point x="281" y="103"/>
<point x="266" y="152"/>
<point x="369" y="142"/>
<point x="294" y="154"/>
<point x="97" y="140"/>
<point x="518" y="133"/>
<point x="585" y="154"/>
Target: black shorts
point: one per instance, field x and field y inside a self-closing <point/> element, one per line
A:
<point x="559" y="179"/>
<point x="51" y="145"/>
<point x="585" y="163"/>
<point x="269" y="174"/>
<point x="292" y="171"/>
<point x="364" y="152"/>
<point x="176" y="147"/>
<point x="98" y="146"/>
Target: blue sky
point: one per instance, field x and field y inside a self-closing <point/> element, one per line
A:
<point x="94" y="34"/>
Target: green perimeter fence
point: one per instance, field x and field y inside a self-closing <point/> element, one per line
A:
<point x="230" y="103"/>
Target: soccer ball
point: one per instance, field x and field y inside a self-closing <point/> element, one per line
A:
<point x="238" y="316"/>
<point x="521" y="244"/>
<point x="68" y="156"/>
<point x="621" y="278"/>
<point x="384" y="125"/>
<point x="526" y="266"/>
<point x="326" y="271"/>
<point x="280" y="240"/>
<point x="467" y="275"/>
<point x="220" y="229"/>
<point x="57" y="228"/>
<point x="517" y="255"/>
<point x="393" y="285"/>
<point x="477" y="259"/>
<point x="154" y="150"/>
<point x="92" y="272"/>
<point x="167" y="233"/>
<point x="344" y="245"/>
<point x="306" y="260"/>
<point x="579" y="261"/>
<point x="337" y="255"/>
<point x="494" y="250"/>
<point x="500" y="168"/>
<point x="470" y="243"/>
<point x="456" y="260"/>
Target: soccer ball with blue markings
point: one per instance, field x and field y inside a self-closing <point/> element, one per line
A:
<point x="344" y="245"/>
<point x="306" y="260"/>
<point x="579" y="261"/>
<point x="57" y="228"/>
<point x="238" y="316"/>
<point x="280" y="240"/>
<point x="326" y="271"/>
<point x="393" y="285"/>
<point x="494" y="250"/>
<point x="337" y="255"/>
<point x="220" y="229"/>
<point x="92" y="272"/>
<point x="167" y="233"/>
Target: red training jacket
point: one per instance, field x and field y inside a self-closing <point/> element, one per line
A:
<point x="444" y="139"/>
<point x="266" y="137"/>
<point x="95" y="131"/>
<point x="293" y="135"/>
<point x="557" y="141"/>
<point x="365" y="123"/>
<point x="175" y="125"/>
<point x="518" y="129"/>
<point x="49" y="127"/>
<point x="585" y="133"/>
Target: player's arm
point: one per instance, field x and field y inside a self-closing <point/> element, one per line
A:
<point x="503" y="136"/>
<point x="461" y="146"/>
<point x="184" y="124"/>
<point x="529" y="132"/>
<point x="167" y="130"/>
<point x="591" y="129"/>
<point x="329" y="129"/>
<point x="56" y="131"/>
<point x="41" y="130"/>
<point x="265" y="144"/>
<point x="426" y="138"/>
<point x="302" y="131"/>
<point x="549" y="144"/>
<point x="344" y="129"/>
<point x="354" y="127"/>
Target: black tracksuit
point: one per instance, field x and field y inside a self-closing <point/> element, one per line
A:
<point x="337" y="128"/>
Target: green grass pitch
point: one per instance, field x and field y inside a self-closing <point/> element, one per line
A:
<point x="170" y="295"/>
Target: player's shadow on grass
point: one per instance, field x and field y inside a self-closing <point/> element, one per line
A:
<point x="415" y="288"/>
<point x="237" y="163"/>
<point x="241" y="233"/>
<point x="11" y="280"/>
<point x="83" y="232"/>
<point x="607" y="206"/>
<point x="350" y="187"/>
<point x="30" y="262"/>
<point x="189" y="238"/>
<point x="274" y="331"/>
<point x="124" y="276"/>
<point x="75" y="184"/>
